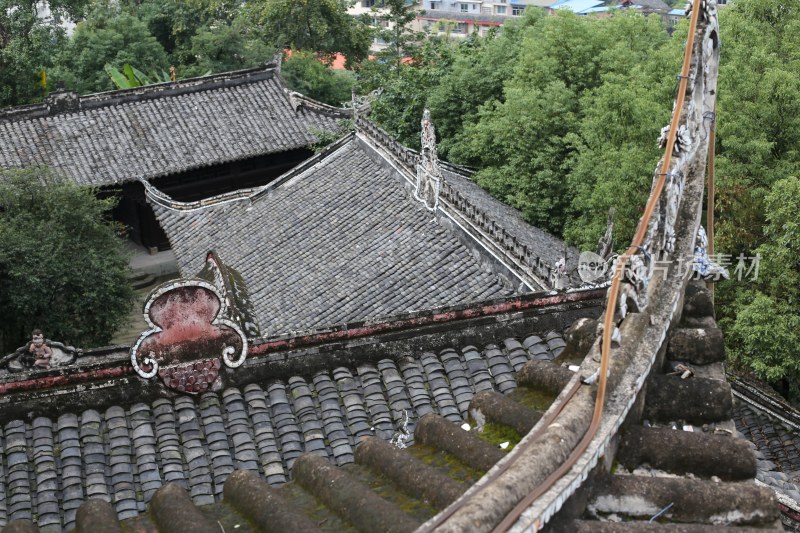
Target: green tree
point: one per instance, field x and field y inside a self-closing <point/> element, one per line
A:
<point x="62" y="267"/>
<point x="406" y="88"/>
<point x="478" y="71"/>
<point x="308" y="75"/>
<point x="758" y="114"/>
<point x="321" y="26"/>
<point x="28" y="43"/>
<point x="130" y="77"/>
<point x="616" y="151"/>
<point x="522" y="147"/>
<point x="108" y="38"/>
<point x="396" y="17"/>
<point x="224" y="47"/>
<point x="175" y="23"/>
<point x="758" y="147"/>
<point x="540" y="144"/>
<point x="763" y="329"/>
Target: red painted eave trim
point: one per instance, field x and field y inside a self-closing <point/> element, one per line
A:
<point x="367" y="330"/>
<point x="65" y="379"/>
<point x="356" y="331"/>
<point x="788" y="511"/>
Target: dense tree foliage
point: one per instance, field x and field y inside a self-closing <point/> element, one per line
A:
<point x="759" y="114"/>
<point x="223" y="48"/>
<point x="758" y="194"/>
<point x="763" y="321"/>
<point x="28" y="45"/>
<point x="306" y="74"/>
<point x="406" y="87"/>
<point x="322" y="26"/>
<point x="558" y="113"/>
<point x="107" y="38"/>
<point x="62" y="267"/>
<point x="197" y="37"/>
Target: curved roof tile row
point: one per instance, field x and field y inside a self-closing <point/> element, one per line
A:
<point x="153" y="131"/>
<point x="48" y="467"/>
<point x="341" y="241"/>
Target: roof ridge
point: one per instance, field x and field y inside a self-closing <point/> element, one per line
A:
<point x="764" y="401"/>
<point x="482" y="219"/>
<point x="486" y="221"/>
<point x="155" y="195"/>
<point x="62" y="102"/>
<point x="146" y="92"/>
<point x="408" y="157"/>
<point x="438" y="314"/>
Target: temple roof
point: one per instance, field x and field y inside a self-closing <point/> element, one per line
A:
<point x="549" y="248"/>
<point x="148" y="132"/>
<point x="772" y="425"/>
<point x="123" y="454"/>
<point x="339" y="239"/>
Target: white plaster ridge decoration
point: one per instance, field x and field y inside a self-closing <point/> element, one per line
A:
<point x="361" y="104"/>
<point x="175" y="312"/>
<point x="429" y="176"/>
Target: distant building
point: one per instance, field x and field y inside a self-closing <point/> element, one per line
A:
<point x="453" y="18"/>
<point x="462" y="18"/>
<point x="375" y="10"/>
<point x="44" y="13"/>
<point x="581" y="7"/>
<point x="600" y="7"/>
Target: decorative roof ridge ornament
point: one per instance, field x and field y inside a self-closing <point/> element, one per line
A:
<point x="194" y="330"/>
<point x="686" y="163"/>
<point x="40" y="354"/>
<point x="275" y="62"/>
<point x="361" y="104"/>
<point x="236" y="301"/>
<point x="298" y="100"/>
<point x="294" y="99"/>
<point x="605" y="245"/>
<point x="429" y="176"/>
<point x="704" y="265"/>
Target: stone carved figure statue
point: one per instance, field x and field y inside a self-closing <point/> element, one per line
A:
<point x="39" y="350"/>
<point x="40" y="354"/>
<point x="705" y="266"/>
<point x="429" y="177"/>
<point x="605" y="246"/>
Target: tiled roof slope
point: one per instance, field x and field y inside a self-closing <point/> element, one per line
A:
<point x="48" y="467"/>
<point x="771" y="425"/>
<point x="162" y="129"/>
<point x="341" y="241"/>
<point x="532" y="253"/>
<point x="777" y="448"/>
<point x="549" y="248"/>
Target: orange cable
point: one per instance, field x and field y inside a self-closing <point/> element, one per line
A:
<point x="711" y="191"/>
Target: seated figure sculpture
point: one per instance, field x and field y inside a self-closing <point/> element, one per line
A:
<point x="39" y="354"/>
<point x="40" y="351"/>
